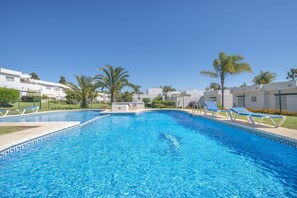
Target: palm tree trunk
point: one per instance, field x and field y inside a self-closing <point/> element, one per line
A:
<point x="222" y="88"/>
<point x="84" y="103"/>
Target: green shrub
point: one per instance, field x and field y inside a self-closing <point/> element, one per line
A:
<point x="163" y="104"/>
<point x="273" y="111"/>
<point x="31" y="98"/>
<point x="147" y="102"/>
<point x="8" y="95"/>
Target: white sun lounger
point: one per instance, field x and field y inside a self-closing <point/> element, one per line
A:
<point x="32" y="108"/>
<point x="4" y="112"/>
<point x="250" y="115"/>
<point x="213" y="108"/>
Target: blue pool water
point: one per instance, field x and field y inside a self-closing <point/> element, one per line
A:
<point x="153" y="154"/>
<point x="81" y="116"/>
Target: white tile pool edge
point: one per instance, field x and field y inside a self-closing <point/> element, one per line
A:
<point x="22" y="145"/>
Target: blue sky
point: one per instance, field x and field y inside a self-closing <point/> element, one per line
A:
<point x="160" y="42"/>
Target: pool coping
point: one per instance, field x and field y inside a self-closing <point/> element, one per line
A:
<point x="44" y="112"/>
<point x="43" y="130"/>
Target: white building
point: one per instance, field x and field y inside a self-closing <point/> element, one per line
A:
<point x="151" y="93"/>
<point x="216" y="96"/>
<point x="183" y="99"/>
<point x="26" y="85"/>
<point x="103" y="97"/>
<point x="268" y="96"/>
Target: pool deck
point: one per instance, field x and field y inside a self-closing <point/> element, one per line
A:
<point x="40" y="129"/>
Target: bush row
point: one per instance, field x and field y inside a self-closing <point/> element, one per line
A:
<point x="163" y="104"/>
<point x="273" y="111"/>
<point x="31" y="98"/>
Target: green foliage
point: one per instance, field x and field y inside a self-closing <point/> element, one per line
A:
<point x="63" y="80"/>
<point x="136" y="88"/>
<point x="31" y="98"/>
<point x="264" y="78"/>
<point x="292" y="74"/>
<point x="112" y="79"/>
<point x="227" y="65"/>
<point x="166" y="88"/>
<point x="45" y="97"/>
<point x="125" y="97"/>
<point x="146" y="100"/>
<point x="8" y="95"/>
<point x="243" y="85"/>
<point x="158" y="98"/>
<point x="84" y="89"/>
<point x="163" y="104"/>
<point x="214" y="86"/>
<point x="34" y="76"/>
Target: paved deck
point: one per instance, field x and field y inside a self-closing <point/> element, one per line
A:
<point x="41" y="129"/>
<point x="280" y="131"/>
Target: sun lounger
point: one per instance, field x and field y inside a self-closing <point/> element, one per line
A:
<point x="32" y="108"/>
<point x="4" y="112"/>
<point x="214" y="109"/>
<point x="250" y="115"/>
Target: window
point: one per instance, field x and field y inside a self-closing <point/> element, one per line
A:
<point x="253" y="99"/>
<point x="47" y="87"/>
<point x="56" y="88"/>
<point x="9" y="78"/>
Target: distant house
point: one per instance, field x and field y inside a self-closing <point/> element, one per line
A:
<point x="103" y="97"/>
<point x="271" y="96"/>
<point x="151" y="93"/>
<point x="26" y="85"/>
<point x="183" y="99"/>
<point x="216" y="96"/>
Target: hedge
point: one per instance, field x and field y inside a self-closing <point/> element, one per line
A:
<point x="9" y="95"/>
<point x="31" y="98"/>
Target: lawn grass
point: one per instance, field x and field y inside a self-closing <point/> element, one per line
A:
<point x="45" y="106"/>
<point x="10" y="129"/>
<point x="291" y="121"/>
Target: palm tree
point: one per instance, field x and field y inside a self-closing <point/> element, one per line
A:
<point x="166" y="89"/>
<point x="84" y="89"/>
<point x="292" y="74"/>
<point x="114" y="79"/>
<point x="34" y="76"/>
<point x="136" y="88"/>
<point x="214" y="86"/>
<point x="227" y="65"/>
<point x="264" y="77"/>
<point x="63" y="80"/>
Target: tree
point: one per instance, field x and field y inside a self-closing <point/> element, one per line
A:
<point x="114" y="79"/>
<point x="84" y="88"/>
<point x="166" y="89"/>
<point x="63" y="80"/>
<point x="264" y="77"/>
<point x="125" y="97"/>
<point x="243" y="85"/>
<point x="146" y="101"/>
<point x="214" y="86"/>
<point x="136" y="88"/>
<point x="227" y="65"/>
<point x="34" y="76"/>
<point x="292" y="74"/>
<point x="8" y="95"/>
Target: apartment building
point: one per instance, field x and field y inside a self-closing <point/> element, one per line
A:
<point x="26" y="85"/>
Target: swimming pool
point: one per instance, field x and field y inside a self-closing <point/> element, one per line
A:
<point x="153" y="154"/>
<point x="81" y="116"/>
